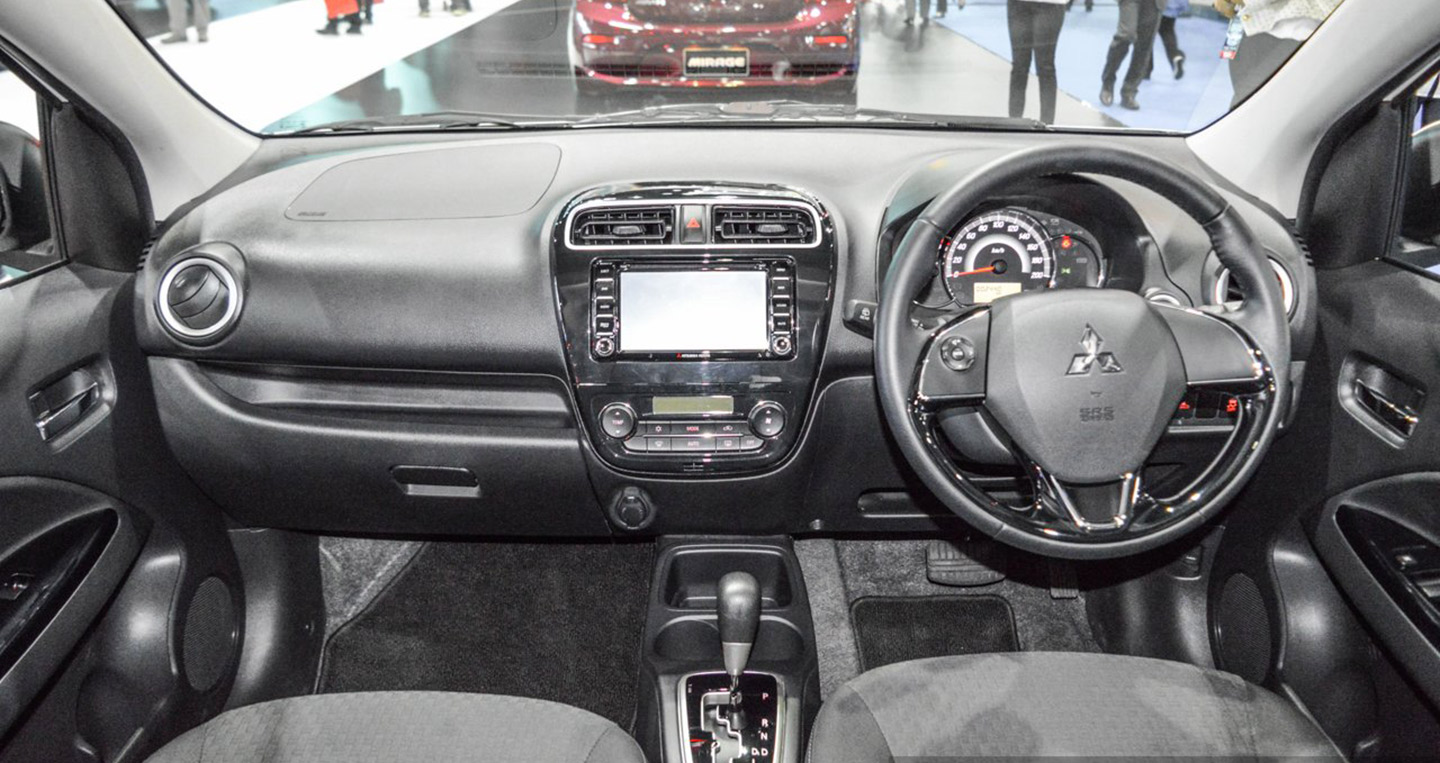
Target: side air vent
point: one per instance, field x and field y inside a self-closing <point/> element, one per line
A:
<point x="1227" y="291"/>
<point x="198" y="299"/>
<point x="623" y="226"/>
<point x="767" y="225"/>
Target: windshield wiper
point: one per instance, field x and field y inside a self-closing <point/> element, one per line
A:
<point x="789" y="111"/>
<point x="435" y="120"/>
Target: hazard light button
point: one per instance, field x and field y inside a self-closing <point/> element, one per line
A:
<point x="692" y="224"/>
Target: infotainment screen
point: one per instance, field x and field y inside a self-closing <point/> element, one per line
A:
<point x="693" y="311"/>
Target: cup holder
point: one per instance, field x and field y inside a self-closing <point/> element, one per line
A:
<point x="698" y="640"/>
<point x="693" y="575"/>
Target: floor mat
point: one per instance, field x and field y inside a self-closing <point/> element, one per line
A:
<point x="901" y="628"/>
<point x="561" y="622"/>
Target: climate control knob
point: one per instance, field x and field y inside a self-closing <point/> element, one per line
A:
<point x="767" y="419"/>
<point x="617" y="420"/>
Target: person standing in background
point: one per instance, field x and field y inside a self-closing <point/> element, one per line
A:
<point x="1136" y="27"/>
<point x="1274" y="30"/>
<point x="337" y="11"/>
<point x="1034" y="32"/>
<point x="1173" y="10"/>
<point x="179" y="24"/>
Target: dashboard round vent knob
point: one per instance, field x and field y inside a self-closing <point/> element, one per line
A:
<point x="198" y="298"/>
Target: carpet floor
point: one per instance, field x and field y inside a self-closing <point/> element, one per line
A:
<point x="553" y="621"/>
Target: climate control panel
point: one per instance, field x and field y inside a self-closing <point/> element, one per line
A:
<point x="723" y="431"/>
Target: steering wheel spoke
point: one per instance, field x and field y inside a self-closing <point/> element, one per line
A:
<point x="1104" y="508"/>
<point x="1217" y="354"/>
<point x="951" y="370"/>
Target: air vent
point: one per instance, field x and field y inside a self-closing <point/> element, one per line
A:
<point x="623" y="226"/>
<point x="767" y="225"/>
<point x="198" y="298"/>
<point x="1227" y="292"/>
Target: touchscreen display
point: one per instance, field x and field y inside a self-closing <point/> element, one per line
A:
<point x="693" y="311"/>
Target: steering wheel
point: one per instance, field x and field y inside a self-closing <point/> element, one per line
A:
<point x="1081" y="383"/>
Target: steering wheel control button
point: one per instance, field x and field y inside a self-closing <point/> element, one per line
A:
<point x="782" y="345"/>
<point x="604" y="347"/>
<point x="954" y="367"/>
<point x="617" y="420"/>
<point x="767" y="419"/>
<point x="957" y="353"/>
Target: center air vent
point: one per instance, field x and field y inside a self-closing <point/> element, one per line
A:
<point x="766" y="225"/>
<point x="198" y="298"/>
<point x="623" y="226"/>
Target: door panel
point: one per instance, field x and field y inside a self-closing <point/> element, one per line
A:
<point x="105" y="545"/>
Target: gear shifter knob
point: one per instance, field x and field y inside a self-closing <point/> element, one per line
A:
<point x="738" y="606"/>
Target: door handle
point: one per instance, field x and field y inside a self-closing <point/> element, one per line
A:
<point x="1380" y="399"/>
<point x="1400" y="418"/>
<point x="62" y="404"/>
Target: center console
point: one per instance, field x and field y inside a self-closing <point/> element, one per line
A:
<point x="693" y="318"/>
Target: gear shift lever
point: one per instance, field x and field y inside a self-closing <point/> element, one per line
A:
<point x="738" y="608"/>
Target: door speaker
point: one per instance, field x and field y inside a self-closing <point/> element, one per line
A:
<point x="1243" y="629"/>
<point x="208" y="641"/>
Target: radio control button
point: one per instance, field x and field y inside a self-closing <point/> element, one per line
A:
<point x="617" y="420"/>
<point x="692" y="444"/>
<point x="767" y="419"/>
<point x="782" y="323"/>
<point x="751" y="442"/>
<point x="605" y="324"/>
<point x="658" y="444"/>
<point x="603" y="288"/>
<point x="782" y="269"/>
<point x="604" y="347"/>
<point x="780" y="307"/>
<point x="604" y="306"/>
<point x="782" y="345"/>
<point x="727" y="443"/>
<point x="782" y="287"/>
<point x="605" y="271"/>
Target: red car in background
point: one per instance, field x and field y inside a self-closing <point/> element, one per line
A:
<point x="810" y="44"/>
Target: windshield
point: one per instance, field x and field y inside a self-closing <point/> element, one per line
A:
<point x="288" y="66"/>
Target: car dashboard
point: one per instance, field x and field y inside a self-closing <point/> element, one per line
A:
<point x="568" y="335"/>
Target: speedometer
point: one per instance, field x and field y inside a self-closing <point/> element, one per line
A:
<point x="995" y="255"/>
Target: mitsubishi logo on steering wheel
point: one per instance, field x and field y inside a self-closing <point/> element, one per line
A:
<point x="1081" y="364"/>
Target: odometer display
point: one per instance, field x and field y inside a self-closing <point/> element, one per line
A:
<point x="996" y="255"/>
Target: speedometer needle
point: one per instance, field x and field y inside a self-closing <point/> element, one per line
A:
<point x="976" y="271"/>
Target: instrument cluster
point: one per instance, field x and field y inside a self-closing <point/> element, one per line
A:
<point x="1012" y="250"/>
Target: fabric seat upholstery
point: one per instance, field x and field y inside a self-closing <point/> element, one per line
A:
<point x="390" y="726"/>
<point x="1040" y="704"/>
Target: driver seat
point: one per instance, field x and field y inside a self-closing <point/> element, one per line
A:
<point x="1047" y="704"/>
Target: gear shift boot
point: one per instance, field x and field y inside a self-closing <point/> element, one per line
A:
<point x="715" y="736"/>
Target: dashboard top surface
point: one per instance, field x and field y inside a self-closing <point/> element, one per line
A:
<point x="474" y="293"/>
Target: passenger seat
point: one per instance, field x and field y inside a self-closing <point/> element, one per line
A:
<point x="392" y="726"/>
